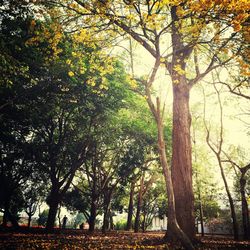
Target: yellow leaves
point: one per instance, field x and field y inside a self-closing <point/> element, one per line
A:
<point x="244" y="67"/>
<point x="91" y="82"/>
<point x="177" y="68"/>
<point x="180" y="11"/>
<point x="50" y="33"/>
<point x="82" y="36"/>
<point x="82" y="70"/>
<point x="133" y="84"/>
<point x="68" y="61"/>
<point x="236" y="25"/>
<point x="71" y="73"/>
<point x="238" y="20"/>
<point x="216" y="38"/>
<point x="72" y="5"/>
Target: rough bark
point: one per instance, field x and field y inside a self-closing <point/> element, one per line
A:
<point x="130" y="206"/>
<point x="174" y="232"/>
<point x="181" y="160"/>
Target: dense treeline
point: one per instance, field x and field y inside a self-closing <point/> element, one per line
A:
<point x="56" y="124"/>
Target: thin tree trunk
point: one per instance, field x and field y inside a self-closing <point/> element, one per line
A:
<point x="217" y="151"/>
<point x="201" y="217"/>
<point x="139" y="205"/>
<point x="181" y="161"/>
<point x="130" y="206"/>
<point x="29" y="220"/>
<point x="59" y="215"/>
<point x="231" y="203"/>
<point x="244" y="208"/>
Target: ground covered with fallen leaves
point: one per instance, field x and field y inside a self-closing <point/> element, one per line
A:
<point x="79" y="239"/>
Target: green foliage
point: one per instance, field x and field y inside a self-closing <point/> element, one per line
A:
<point x="121" y="224"/>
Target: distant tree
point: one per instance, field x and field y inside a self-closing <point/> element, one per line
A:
<point x="217" y="149"/>
<point x="16" y="161"/>
<point x="154" y="204"/>
<point x="43" y="217"/>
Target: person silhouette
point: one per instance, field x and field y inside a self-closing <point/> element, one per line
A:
<point x="64" y="221"/>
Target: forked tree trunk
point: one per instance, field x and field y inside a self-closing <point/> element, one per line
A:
<point x="130" y="206"/>
<point x="174" y="232"/>
<point x="182" y="160"/>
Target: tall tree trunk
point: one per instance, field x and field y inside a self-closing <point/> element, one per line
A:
<point x="53" y="202"/>
<point x="244" y="208"/>
<point x="139" y="205"/>
<point x="181" y="159"/>
<point x="230" y="199"/>
<point x="130" y="206"/>
<point x="174" y="232"/>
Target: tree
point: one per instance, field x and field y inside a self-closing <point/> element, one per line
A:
<point x="241" y="183"/>
<point x="33" y="191"/>
<point x="43" y="217"/>
<point x="154" y="203"/>
<point x="186" y="23"/>
<point x="73" y="96"/>
<point x="217" y="150"/>
<point x="16" y="162"/>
